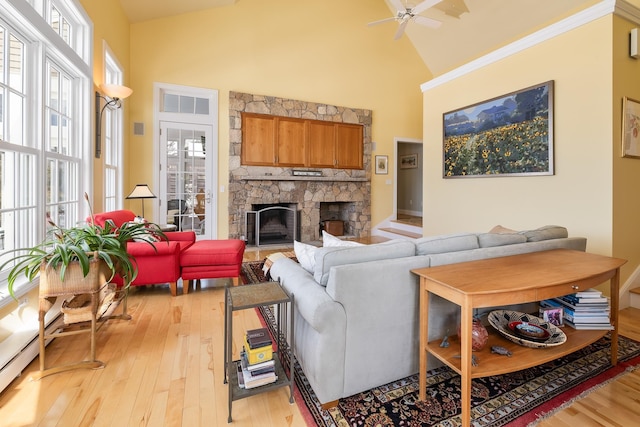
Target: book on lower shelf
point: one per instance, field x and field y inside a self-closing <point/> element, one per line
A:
<point x="255" y="375"/>
<point x="590" y="326"/>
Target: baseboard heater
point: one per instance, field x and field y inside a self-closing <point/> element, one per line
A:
<point x="13" y="368"/>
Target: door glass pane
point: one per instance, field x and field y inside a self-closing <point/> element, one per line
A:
<point x="186" y="179"/>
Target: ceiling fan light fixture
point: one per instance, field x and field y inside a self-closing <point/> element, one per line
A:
<point x="408" y="12"/>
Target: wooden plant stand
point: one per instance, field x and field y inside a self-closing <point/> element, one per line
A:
<point x="50" y="289"/>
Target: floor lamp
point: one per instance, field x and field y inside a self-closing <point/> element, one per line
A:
<point x="141" y="191"/>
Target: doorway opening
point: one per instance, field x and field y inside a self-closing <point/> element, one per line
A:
<point x="187" y="153"/>
<point x="408" y="200"/>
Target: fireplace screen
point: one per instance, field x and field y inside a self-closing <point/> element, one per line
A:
<point x="271" y="224"/>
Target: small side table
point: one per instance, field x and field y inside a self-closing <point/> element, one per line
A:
<point x="251" y="296"/>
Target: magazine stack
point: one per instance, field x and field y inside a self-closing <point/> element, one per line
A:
<point x="256" y="366"/>
<point x="587" y="309"/>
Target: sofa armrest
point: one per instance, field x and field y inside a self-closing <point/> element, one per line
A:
<point x="381" y="300"/>
<point x="311" y="300"/>
<point x="320" y="327"/>
<point x="142" y="249"/>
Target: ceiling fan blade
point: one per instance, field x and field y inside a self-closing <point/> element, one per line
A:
<point x="426" y="4"/>
<point x="397" y="4"/>
<point x="401" y="28"/>
<point x="382" y="21"/>
<point x="427" y="22"/>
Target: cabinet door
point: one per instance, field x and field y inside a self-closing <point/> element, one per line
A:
<point x="349" y="146"/>
<point x="291" y="142"/>
<point x="322" y="138"/>
<point x="258" y="140"/>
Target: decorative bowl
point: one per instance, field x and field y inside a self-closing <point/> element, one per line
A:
<point x="529" y="330"/>
<point x="501" y="319"/>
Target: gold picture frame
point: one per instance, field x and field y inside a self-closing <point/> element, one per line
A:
<point x="630" y="128"/>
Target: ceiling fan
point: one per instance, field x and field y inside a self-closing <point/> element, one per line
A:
<point x="407" y="12"/>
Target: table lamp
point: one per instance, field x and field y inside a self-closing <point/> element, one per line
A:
<point x="141" y="191"/>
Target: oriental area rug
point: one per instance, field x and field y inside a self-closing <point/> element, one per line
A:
<point x="517" y="399"/>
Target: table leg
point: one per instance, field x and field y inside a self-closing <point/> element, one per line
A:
<point x="291" y="334"/>
<point x="614" y="286"/>
<point x="466" y="321"/>
<point x="424" y="336"/>
<point x="226" y="332"/>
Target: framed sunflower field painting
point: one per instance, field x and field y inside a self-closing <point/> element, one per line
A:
<point x="510" y="135"/>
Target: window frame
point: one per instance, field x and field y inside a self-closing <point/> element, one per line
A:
<point x="43" y="45"/>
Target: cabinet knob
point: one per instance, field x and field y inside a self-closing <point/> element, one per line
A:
<point x="575" y="287"/>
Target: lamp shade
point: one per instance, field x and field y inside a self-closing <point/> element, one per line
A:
<point x="141" y="191"/>
<point x="116" y="91"/>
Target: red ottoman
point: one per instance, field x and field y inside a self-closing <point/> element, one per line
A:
<point x="211" y="259"/>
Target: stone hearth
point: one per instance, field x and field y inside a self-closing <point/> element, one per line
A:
<point x="254" y="185"/>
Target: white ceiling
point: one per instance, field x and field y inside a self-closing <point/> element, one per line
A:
<point x="488" y="24"/>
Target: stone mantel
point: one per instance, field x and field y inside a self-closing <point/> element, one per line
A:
<point x="302" y="178"/>
<point x="258" y="185"/>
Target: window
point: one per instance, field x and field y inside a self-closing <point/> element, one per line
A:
<point x="44" y="122"/>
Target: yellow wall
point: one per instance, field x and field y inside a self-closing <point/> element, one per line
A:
<point x="110" y="24"/>
<point x="626" y="171"/>
<point x="320" y="51"/>
<point x="579" y="195"/>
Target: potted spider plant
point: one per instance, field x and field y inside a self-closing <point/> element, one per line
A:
<point x="80" y="259"/>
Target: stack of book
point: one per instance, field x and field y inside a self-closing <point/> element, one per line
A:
<point x="587" y="309"/>
<point x="256" y="366"/>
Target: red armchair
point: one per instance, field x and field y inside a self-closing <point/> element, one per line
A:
<point x="159" y="265"/>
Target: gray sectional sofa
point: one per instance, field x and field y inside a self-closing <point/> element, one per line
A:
<point x="356" y="309"/>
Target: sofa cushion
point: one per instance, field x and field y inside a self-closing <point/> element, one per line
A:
<point x="488" y="240"/>
<point x="547" y="232"/>
<point x="306" y="255"/>
<point x="339" y="255"/>
<point x="446" y="243"/>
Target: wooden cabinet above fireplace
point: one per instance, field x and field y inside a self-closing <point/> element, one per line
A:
<point x="291" y="142"/>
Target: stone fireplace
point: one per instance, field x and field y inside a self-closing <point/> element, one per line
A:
<point x="343" y="194"/>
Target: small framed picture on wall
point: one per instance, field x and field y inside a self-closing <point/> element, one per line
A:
<point x="410" y="161"/>
<point x="382" y="165"/>
<point x="630" y="128"/>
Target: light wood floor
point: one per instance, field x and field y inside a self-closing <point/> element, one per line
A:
<point x="165" y="368"/>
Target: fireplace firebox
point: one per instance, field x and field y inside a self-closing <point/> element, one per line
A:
<point x="272" y="224"/>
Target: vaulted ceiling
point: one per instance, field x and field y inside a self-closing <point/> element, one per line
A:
<point x="470" y="28"/>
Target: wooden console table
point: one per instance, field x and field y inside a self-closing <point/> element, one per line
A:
<point x="511" y="280"/>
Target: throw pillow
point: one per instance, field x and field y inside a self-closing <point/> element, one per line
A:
<point x="306" y="255"/>
<point x="329" y="240"/>
<point x="498" y="229"/>
<point x="149" y="225"/>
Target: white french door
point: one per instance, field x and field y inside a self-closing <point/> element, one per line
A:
<point x="188" y="167"/>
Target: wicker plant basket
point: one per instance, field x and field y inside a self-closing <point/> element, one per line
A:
<point x="74" y="281"/>
<point x="78" y="308"/>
